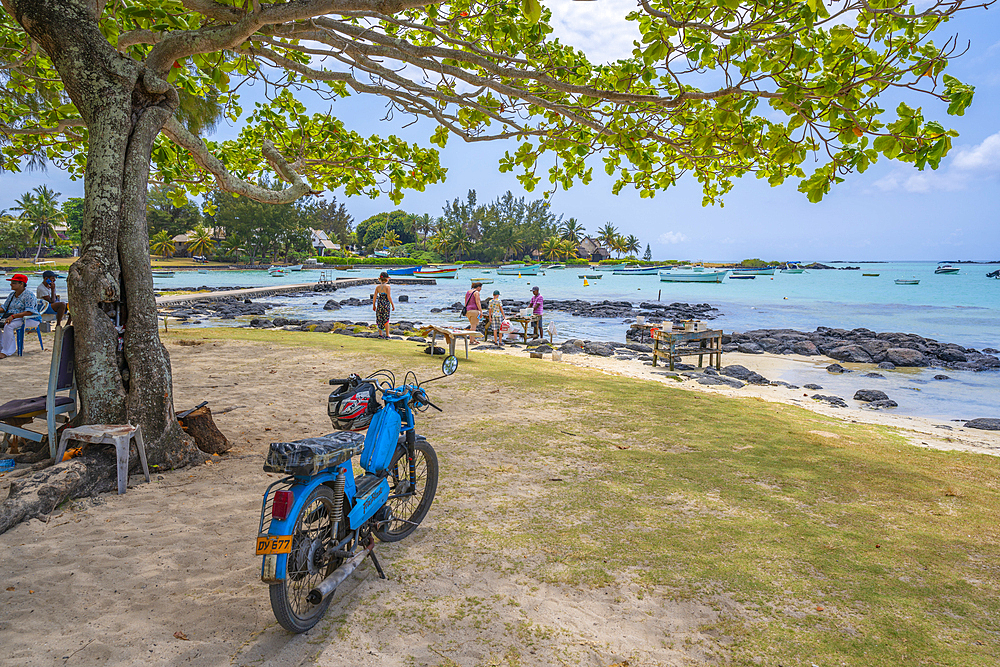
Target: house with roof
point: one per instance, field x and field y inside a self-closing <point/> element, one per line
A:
<point x="181" y="241"/>
<point x="321" y="242"/>
<point x="592" y="249"/>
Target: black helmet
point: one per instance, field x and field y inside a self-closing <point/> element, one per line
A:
<point x="352" y="407"/>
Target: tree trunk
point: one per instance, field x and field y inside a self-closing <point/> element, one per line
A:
<point x="123" y="370"/>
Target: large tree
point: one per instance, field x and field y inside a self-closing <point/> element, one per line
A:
<point x="714" y="88"/>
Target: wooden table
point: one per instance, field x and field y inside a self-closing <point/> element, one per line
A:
<point x="450" y="336"/>
<point x="524" y="322"/>
<point x="644" y="329"/>
<point x="709" y="343"/>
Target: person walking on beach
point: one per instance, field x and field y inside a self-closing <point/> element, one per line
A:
<point x="473" y="308"/>
<point x="537" y="309"/>
<point x="17" y="308"/>
<point x="46" y="293"/>
<point x="381" y="303"/>
<point x="496" y="317"/>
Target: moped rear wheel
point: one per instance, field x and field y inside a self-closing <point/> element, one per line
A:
<point x="309" y="563"/>
<point x="408" y="502"/>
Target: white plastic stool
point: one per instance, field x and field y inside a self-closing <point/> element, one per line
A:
<point x="110" y="434"/>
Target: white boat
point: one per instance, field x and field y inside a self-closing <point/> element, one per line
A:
<point x="485" y="281"/>
<point x="684" y="277"/>
<point x="907" y="281"/>
<point x="276" y="271"/>
<point x="297" y="267"/>
<point x="637" y="271"/>
<point x="555" y="266"/>
<point x="163" y="274"/>
<point x="946" y="268"/>
<point x="519" y="270"/>
<point x="793" y="270"/>
<point x="763" y="271"/>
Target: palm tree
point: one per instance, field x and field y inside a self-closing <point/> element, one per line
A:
<point x="606" y="235"/>
<point x="552" y="248"/>
<point x="459" y="241"/>
<point x="441" y="243"/>
<point x="232" y="247"/>
<point x="572" y="230"/>
<point x="161" y="244"/>
<point x="632" y="245"/>
<point x="41" y="211"/>
<point x="567" y="248"/>
<point x="617" y="243"/>
<point x="202" y="243"/>
<point x="424" y="225"/>
<point x="390" y="239"/>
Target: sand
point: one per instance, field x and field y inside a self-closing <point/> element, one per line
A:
<point x="166" y="575"/>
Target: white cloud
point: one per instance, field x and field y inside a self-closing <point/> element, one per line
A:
<point x="984" y="157"/>
<point x="672" y="237"/>
<point x="599" y="29"/>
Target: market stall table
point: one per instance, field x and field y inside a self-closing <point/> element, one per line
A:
<point x="524" y="322"/>
<point x="709" y="343"/>
<point x="450" y="336"/>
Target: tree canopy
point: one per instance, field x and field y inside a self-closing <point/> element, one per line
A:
<point x="717" y="89"/>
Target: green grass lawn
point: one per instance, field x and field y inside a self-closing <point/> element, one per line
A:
<point x="820" y="542"/>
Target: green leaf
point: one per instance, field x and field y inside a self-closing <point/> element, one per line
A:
<point x="531" y="10"/>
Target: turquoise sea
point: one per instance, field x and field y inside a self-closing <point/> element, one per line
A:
<point x="962" y="308"/>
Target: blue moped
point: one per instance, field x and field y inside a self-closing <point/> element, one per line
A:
<point x="320" y="521"/>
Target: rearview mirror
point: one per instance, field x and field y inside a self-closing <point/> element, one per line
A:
<point x="450" y="364"/>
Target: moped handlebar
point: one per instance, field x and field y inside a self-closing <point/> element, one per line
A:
<point x="335" y="381"/>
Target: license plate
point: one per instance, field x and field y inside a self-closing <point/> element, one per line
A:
<point x="273" y="544"/>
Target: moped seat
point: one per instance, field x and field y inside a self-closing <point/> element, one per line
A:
<point x="309" y="456"/>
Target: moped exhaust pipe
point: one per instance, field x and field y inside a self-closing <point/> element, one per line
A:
<point x="329" y="585"/>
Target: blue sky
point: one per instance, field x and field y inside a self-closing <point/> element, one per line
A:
<point x="892" y="212"/>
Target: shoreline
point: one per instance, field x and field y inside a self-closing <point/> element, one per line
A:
<point x="919" y="431"/>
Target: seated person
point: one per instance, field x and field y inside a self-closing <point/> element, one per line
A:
<point x="19" y="306"/>
<point x="46" y="293"/>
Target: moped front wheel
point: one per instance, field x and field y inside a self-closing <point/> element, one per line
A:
<point x="310" y="562"/>
<point x="409" y="498"/>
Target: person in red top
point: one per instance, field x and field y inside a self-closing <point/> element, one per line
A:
<point x="537" y="309"/>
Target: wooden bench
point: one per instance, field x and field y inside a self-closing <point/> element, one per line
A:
<point x="450" y="336"/>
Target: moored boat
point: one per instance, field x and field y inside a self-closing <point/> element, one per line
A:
<point x="408" y="271"/>
<point x="763" y="271"/>
<point x="163" y="274"/>
<point x="555" y="266"/>
<point x="432" y="272"/>
<point x="519" y="270"/>
<point x="275" y="271"/>
<point x="742" y="277"/>
<point x="591" y="276"/>
<point x="297" y="267"/>
<point x="947" y="269"/>
<point x="485" y="281"/>
<point x="907" y="281"/>
<point x="799" y="271"/>
<point x="684" y="277"/>
<point x="870" y="275"/>
<point x="637" y="271"/>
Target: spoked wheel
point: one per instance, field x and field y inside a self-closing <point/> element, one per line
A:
<point x="309" y="563"/>
<point x="409" y="497"/>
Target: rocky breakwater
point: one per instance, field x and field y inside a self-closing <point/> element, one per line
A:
<point x="609" y="309"/>
<point x="225" y="308"/>
<point x="888" y="349"/>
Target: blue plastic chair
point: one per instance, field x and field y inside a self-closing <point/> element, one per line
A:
<point x="37" y="328"/>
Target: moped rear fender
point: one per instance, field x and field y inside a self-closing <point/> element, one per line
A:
<point x="274" y="566"/>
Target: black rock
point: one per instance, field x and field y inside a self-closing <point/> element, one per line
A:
<point x="814" y="387"/>
<point x="836" y="368"/>
<point x="402" y="298"/>
<point x="835" y="401"/>
<point x="873" y="375"/>
<point x="745" y="374"/>
<point x="941" y="377"/>
<point x="436" y="350"/>
<point x="984" y="423"/>
<point x="719" y="380"/>
<point x="331" y="305"/>
<point x="878" y="405"/>
<point x="869" y="395"/>
<point x="598" y="349"/>
<point x="886" y="365"/>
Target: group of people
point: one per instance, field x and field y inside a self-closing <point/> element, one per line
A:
<point x="21" y="308"/>
<point x="474" y="308"/>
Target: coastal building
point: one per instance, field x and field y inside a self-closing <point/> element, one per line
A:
<point x="181" y="240"/>
<point x="592" y="249"/>
<point x="321" y="242"/>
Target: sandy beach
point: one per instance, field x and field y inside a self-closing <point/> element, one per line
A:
<point x="166" y="575"/>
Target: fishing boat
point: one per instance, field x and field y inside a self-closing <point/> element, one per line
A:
<point x="591" y="276"/>
<point x="907" y="281"/>
<point x="796" y="270"/>
<point x="607" y="267"/>
<point x="434" y="272"/>
<point x="947" y="269"/>
<point x="297" y="267"/>
<point x="163" y="274"/>
<point x="275" y="271"/>
<point x="484" y="281"/>
<point x="685" y="277"/>
<point x="870" y="275"/>
<point x="519" y="270"/>
<point x="202" y="270"/>
<point x="637" y="271"/>
<point x="763" y="271"/>
<point x="408" y="271"/>
<point x="742" y="277"/>
<point x="555" y="266"/>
